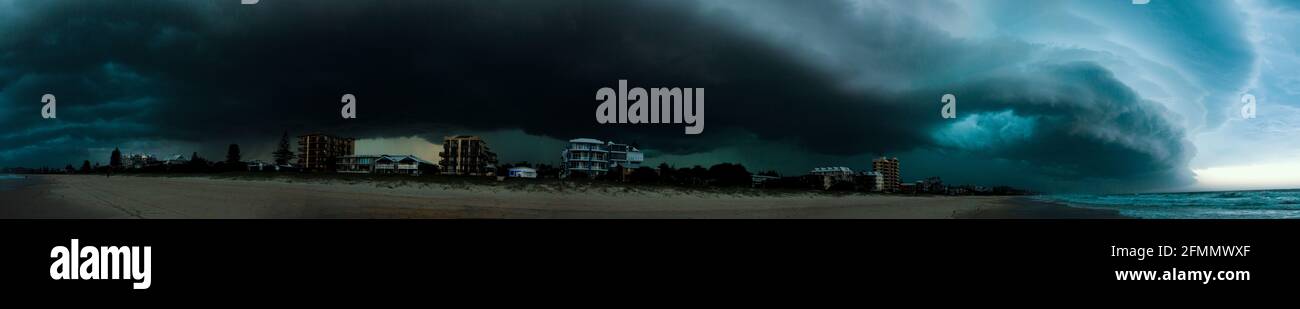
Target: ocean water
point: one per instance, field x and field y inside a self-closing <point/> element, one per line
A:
<point x="1261" y="204"/>
<point x="8" y="181"/>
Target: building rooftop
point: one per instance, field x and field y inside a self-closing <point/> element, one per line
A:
<point x="404" y="157"/>
<point x="388" y="156"/>
<point x="468" y="137"/>
<point x="832" y="169"/>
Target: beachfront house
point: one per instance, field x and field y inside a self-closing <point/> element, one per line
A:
<point x="870" y="181"/>
<point x="140" y="161"/>
<point x="523" y="172"/>
<point x="756" y="180"/>
<point x="356" y="164"/>
<point x="830" y="176"/>
<point x="403" y="164"/>
<point x="260" y="166"/>
<point x="592" y="158"/>
<point x="931" y="185"/>
<point x="383" y="164"/>
<point x="176" y="160"/>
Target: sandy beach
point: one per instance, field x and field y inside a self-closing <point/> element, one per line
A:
<point x="88" y="196"/>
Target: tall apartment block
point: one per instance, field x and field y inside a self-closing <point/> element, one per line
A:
<point x="888" y="170"/>
<point x="316" y="151"/>
<point x="467" y="155"/>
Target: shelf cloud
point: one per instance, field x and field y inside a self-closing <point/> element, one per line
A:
<point x="1039" y="88"/>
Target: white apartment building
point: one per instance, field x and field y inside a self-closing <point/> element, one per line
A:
<point x="592" y="157"/>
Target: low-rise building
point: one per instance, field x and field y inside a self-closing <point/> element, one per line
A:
<point x="260" y="166"/>
<point x="140" y="161"/>
<point x="907" y="188"/>
<point x="830" y="176"/>
<point x="522" y="172"/>
<point x="870" y="181"/>
<point x="584" y="156"/>
<point x="592" y="158"/>
<point x="931" y="185"/>
<point x="757" y="180"/>
<point x="383" y="164"/>
<point x="355" y="164"/>
<point x="625" y="156"/>
<point x="175" y="160"/>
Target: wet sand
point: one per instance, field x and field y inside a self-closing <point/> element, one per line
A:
<point x="33" y="198"/>
<point x="1027" y="208"/>
<point x="87" y="196"/>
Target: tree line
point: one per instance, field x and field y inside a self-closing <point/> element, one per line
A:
<point x="193" y="164"/>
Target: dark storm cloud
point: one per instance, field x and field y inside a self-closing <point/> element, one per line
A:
<point x="1076" y="123"/>
<point x="212" y="72"/>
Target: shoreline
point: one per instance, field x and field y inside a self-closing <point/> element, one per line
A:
<point x="1028" y="208"/>
<point x="90" y="196"/>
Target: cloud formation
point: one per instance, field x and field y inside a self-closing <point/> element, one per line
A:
<point x="848" y="79"/>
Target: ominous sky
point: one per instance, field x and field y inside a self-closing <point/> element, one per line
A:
<point x="1052" y="95"/>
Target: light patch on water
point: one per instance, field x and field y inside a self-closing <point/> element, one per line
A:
<point x="1265" y="204"/>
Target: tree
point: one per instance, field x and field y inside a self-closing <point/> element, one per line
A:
<point x="232" y="154"/>
<point x="283" y="155"/>
<point x="115" y="160"/>
<point x="612" y="173"/>
<point x="547" y="171"/>
<point x="727" y="174"/>
<point x="666" y="173"/>
<point x="692" y="176"/>
<point x="578" y="175"/>
<point x="643" y="174"/>
<point x="85" y="166"/>
<point x="68" y="169"/>
<point x="197" y="163"/>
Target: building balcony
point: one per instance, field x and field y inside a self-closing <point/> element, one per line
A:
<point x="597" y="169"/>
<point x="585" y="150"/>
<point x="585" y="159"/>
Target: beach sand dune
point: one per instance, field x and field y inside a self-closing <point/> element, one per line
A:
<point x="85" y="196"/>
